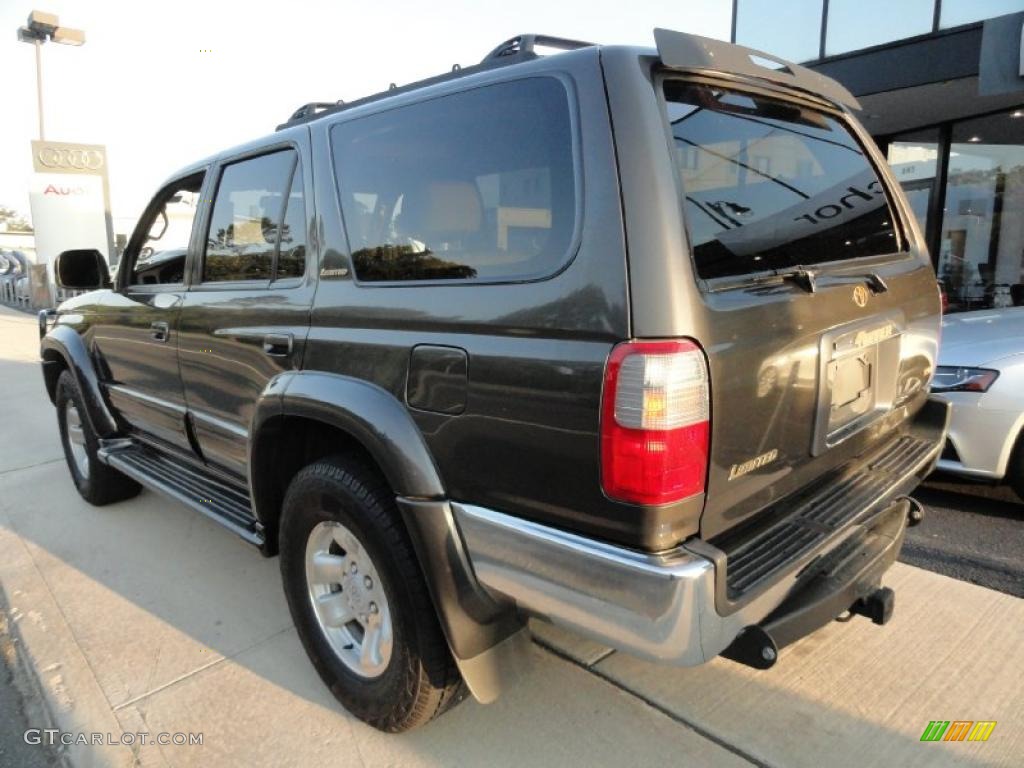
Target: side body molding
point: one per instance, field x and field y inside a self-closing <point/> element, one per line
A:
<point x="64" y="343"/>
<point x="475" y="624"/>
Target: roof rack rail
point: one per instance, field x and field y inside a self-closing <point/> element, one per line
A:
<point x="313" y="108"/>
<point x="525" y="44"/>
<point x="513" y="51"/>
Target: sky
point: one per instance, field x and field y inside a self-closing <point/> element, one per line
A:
<point x="164" y="84"/>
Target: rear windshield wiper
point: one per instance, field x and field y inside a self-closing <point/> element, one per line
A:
<point x="802" y="276"/>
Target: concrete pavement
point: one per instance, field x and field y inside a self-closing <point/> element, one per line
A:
<point x="143" y="616"/>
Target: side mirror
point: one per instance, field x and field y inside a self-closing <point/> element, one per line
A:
<point x="82" y="269"/>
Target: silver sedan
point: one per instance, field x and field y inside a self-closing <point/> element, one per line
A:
<point x="981" y="373"/>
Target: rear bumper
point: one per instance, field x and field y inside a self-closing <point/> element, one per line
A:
<point x="669" y="607"/>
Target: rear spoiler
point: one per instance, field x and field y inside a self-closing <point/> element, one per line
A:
<point x="693" y="53"/>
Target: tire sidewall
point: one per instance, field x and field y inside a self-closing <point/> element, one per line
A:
<point x="316" y="498"/>
<point x="67" y="391"/>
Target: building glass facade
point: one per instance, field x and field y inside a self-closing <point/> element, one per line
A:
<point x="802" y="30"/>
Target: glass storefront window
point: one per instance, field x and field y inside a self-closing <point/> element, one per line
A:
<point x="956" y="12"/>
<point x="913" y="157"/>
<point x="981" y="252"/>
<point x="856" y="24"/>
<point x="790" y="30"/>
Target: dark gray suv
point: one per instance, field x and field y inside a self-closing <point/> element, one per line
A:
<point x="635" y="341"/>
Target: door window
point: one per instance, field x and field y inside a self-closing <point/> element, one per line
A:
<point x="251" y="221"/>
<point x="164" y="234"/>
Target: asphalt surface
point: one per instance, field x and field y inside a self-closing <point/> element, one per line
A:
<point x="971" y="532"/>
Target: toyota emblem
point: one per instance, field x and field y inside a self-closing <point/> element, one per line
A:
<point x="860" y="296"/>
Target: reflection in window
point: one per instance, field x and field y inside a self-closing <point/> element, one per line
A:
<point x="247" y="214"/>
<point x="952" y="13"/>
<point x="478" y="184"/>
<point x="982" y="238"/>
<point x="913" y="158"/>
<point x="856" y="24"/>
<point x="291" y="258"/>
<point x="774" y="186"/>
<point x="790" y="30"/>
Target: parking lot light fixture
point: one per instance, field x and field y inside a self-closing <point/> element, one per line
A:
<point x="39" y="28"/>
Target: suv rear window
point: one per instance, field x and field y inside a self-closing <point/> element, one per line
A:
<point x="771" y="185"/>
<point x="479" y="184"/>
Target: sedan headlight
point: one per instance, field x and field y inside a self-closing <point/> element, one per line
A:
<point x="952" y="378"/>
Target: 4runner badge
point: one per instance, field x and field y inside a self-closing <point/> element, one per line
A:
<point x="860" y="296"/>
<point x="739" y="470"/>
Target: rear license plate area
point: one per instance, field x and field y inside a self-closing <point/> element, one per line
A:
<point x="857" y="380"/>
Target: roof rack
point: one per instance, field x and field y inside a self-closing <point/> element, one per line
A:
<point x="513" y="51"/>
<point x="527" y="43"/>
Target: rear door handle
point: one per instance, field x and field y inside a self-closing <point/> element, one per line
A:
<point x="160" y="331"/>
<point x="277" y="344"/>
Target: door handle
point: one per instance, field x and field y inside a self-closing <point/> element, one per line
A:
<point x="160" y="331"/>
<point x="278" y="344"/>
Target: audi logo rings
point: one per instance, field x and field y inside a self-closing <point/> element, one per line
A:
<point x="76" y="159"/>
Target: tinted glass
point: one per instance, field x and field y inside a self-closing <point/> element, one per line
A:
<point x="291" y="260"/>
<point x="479" y="184"/>
<point x="791" y="29"/>
<point x="161" y="257"/>
<point x="956" y="12"/>
<point x="247" y="214"/>
<point x="981" y="249"/>
<point x="913" y="158"/>
<point x="769" y="185"/>
<point x="856" y="24"/>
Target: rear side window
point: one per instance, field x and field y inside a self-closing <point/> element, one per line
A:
<point x="771" y="185"/>
<point x="476" y="185"/>
<point x="257" y="223"/>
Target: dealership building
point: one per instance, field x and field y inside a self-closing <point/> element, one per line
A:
<point x="941" y="83"/>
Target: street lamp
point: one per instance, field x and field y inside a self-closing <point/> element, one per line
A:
<point x="40" y="28"/>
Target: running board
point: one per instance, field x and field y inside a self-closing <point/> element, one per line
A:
<point x="197" y="489"/>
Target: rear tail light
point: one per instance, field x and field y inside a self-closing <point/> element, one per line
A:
<point x="654" y="422"/>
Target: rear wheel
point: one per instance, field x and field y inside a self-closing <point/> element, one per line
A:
<point x="358" y="598"/>
<point x="96" y="482"/>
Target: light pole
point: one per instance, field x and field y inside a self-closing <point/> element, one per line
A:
<point x="40" y="28"/>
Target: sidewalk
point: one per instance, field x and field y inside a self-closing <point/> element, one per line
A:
<point x="143" y="616"/>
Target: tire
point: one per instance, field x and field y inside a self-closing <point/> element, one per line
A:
<point x="1015" y="470"/>
<point x="96" y="482"/>
<point x="340" y="513"/>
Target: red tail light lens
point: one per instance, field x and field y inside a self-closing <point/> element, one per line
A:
<point x="654" y="422"/>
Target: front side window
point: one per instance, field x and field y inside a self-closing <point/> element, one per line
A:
<point x="478" y="184"/>
<point x="251" y="223"/>
<point x="770" y="185"/>
<point x="168" y="228"/>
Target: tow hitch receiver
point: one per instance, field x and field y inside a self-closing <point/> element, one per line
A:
<point x="843" y="580"/>
<point x="877" y="606"/>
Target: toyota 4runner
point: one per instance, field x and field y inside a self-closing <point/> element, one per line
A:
<point x="634" y="341"/>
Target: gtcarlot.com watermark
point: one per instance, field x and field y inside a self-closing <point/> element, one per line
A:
<point x="52" y="737"/>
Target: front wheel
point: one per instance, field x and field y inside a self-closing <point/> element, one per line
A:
<point x="96" y="482"/>
<point x="358" y="598"/>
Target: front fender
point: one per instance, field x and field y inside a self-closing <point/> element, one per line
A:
<point x="63" y="346"/>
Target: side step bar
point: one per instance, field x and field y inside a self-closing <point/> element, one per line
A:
<point x="197" y="489"/>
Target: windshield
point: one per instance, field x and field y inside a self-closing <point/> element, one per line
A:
<point x="770" y="185"/>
